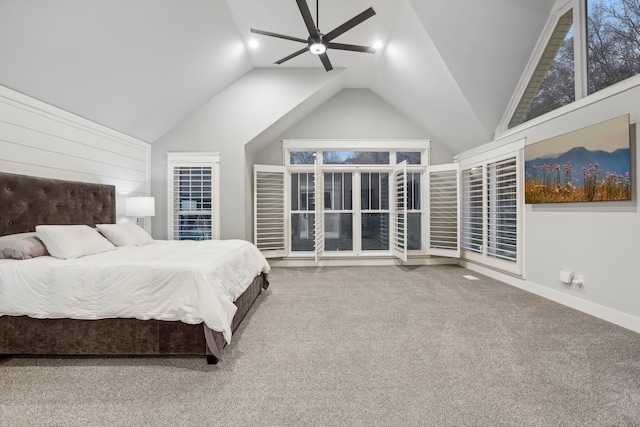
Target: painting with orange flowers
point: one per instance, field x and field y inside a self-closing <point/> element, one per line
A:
<point x="589" y="164"/>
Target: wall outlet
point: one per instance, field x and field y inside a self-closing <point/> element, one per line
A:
<point x="579" y="280"/>
<point x="566" y="276"/>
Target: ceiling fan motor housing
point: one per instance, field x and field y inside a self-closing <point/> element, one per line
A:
<point x="317" y="46"/>
<point x="318" y="43"/>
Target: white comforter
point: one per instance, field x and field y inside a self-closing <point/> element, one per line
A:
<point x="189" y="281"/>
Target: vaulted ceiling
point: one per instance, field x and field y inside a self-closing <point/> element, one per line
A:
<point x="142" y="66"/>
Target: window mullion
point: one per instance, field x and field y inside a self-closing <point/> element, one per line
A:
<point x="580" y="48"/>
<point x="356" y="212"/>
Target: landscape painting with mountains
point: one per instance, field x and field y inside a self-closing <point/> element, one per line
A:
<point x="589" y="164"/>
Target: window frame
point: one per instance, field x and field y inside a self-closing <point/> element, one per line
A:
<point x="483" y="160"/>
<point x="543" y="65"/>
<point x="582" y="97"/>
<point x="318" y="146"/>
<point x="194" y="159"/>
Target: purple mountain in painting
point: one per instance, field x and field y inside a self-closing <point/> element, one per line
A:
<point x="618" y="162"/>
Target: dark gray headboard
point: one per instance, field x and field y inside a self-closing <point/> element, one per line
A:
<point x="27" y="201"/>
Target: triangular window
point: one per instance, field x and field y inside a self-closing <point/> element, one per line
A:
<point x="552" y="84"/>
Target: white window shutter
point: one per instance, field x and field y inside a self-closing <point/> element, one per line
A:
<point x="444" y="210"/>
<point x="269" y="210"/>
<point x="319" y="213"/>
<point x="399" y="246"/>
<point x="193" y="193"/>
<point x="502" y="206"/>
<point x="473" y="207"/>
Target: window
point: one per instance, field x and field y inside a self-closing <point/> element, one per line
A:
<point x="472" y="209"/>
<point x="552" y="84"/>
<point x="355" y="157"/>
<point x="302" y="157"/>
<point x="303" y="207"/>
<point x="491" y="204"/>
<point x="414" y="211"/>
<point x="338" y="211"/>
<point x="193" y="196"/>
<point x="566" y="71"/>
<point x="354" y="198"/>
<point x="502" y="206"/>
<point x="374" y="208"/>
<point x="613" y="42"/>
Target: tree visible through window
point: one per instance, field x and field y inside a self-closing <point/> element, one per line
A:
<point x="613" y="41"/>
<point x="552" y="83"/>
<point x="613" y="55"/>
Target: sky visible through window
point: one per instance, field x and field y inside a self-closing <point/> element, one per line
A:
<point x="613" y="55"/>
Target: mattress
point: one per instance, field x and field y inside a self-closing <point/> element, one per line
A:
<point x="189" y="281"/>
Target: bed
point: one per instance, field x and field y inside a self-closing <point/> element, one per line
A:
<point x="204" y="298"/>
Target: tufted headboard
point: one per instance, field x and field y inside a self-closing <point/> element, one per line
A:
<point x="27" y="201"/>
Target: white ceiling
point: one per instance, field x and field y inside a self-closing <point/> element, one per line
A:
<point x="142" y="66"/>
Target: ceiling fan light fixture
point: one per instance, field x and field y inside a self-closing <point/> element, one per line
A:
<point x="317" y="48"/>
<point x="318" y="43"/>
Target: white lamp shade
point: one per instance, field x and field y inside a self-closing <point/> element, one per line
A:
<point x="140" y="206"/>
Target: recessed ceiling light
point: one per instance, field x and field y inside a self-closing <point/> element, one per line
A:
<point x="377" y="44"/>
<point x="253" y="44"/>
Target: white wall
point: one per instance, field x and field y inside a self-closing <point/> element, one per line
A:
<point x="243" y="112"/>
<point x="598" y="239"/>
<point x="41" y="140"/>
<point x="353" y="114"/>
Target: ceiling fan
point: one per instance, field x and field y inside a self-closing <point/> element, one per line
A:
<point x="318" y="43"/>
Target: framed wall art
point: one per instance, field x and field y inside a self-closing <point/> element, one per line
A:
<point x="585" y="165"/>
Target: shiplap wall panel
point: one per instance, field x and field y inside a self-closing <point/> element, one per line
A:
<point x="25" y="137"/>
<point x="41" y="140"/>
<point x="100" y="164"/>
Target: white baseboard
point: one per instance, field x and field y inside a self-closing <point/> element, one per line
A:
<point x="343" y="261"/>
<point x="597" y="310"/>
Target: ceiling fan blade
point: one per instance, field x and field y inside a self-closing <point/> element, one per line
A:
<point x="351" y="47"/>
<point x="293" y="55"/>
<point x="349" y="24"/>
<point x="325" y="61"/>
<point x="280" y="36"/>
<point x="308" y="19"/>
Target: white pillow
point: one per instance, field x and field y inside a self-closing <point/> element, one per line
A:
<point x="127" y="234"/>
<point x="72" y="241"/>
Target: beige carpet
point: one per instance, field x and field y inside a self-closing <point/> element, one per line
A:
<point x="365" y="346"/>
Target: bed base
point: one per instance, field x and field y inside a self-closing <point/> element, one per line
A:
<point x="29" y="201"/>
<point x="26" y="336"/>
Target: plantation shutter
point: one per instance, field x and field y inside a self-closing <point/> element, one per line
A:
<point x="319" y="213"/>
<point x="399" y="246"/>
<point x="193" y="196"/>
<point x="444" y="203"/>
<point x="502" y="231"/>
<point x="473" y="210"/>
<point x="269" y="210"/>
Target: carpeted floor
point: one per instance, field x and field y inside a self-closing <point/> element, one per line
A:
<point x="359" y="346"/>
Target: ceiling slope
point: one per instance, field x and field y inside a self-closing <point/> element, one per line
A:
<point x="486" y="46"/>
<point x="142" y="67"/>
<point x="249" y="106"/>
<point x="135" y="66"/>
<point x="415" y="80"/>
